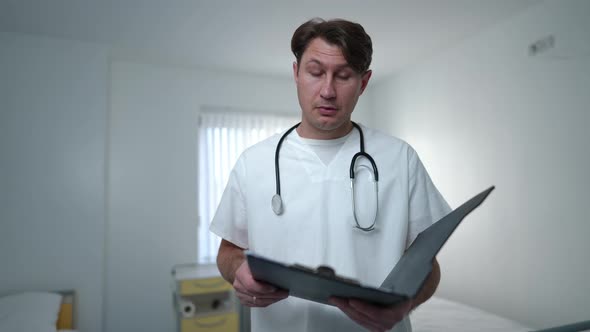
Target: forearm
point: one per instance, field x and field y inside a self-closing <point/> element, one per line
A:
<point x="429" y="287"/>
<point x="229" y="258"/>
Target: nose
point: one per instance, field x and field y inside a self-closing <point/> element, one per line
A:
<point x="328" y="91"/>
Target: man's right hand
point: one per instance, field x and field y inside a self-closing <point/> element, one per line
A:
<point x="234" y="268"/>
<point x="253" y="293"/>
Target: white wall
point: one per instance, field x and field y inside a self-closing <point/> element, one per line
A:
<point x="485" y="113"/>
<point x="53" y="102"/>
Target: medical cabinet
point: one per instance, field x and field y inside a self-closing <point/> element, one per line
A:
<point x="203" y="300"/>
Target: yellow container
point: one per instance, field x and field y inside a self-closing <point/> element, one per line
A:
<point x="203" y="286"/>
<point x="214" y="323"/>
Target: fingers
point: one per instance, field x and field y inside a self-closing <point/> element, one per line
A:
<point x="356" y="316"/>
<point x="390" y="315"/>
<point x="255" y="301"/>
<point x="258" y="299"/>
<point x="244" y="281"/>
<point x="253" y="293"/>
<point x="372" y="317"/>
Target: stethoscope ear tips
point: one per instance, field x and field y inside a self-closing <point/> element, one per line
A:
<point x="277" y="204"/>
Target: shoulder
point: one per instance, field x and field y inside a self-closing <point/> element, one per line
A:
<point x="386" y="141"/>
<point x="258" y="154"/>
<point x="264" y="144"/>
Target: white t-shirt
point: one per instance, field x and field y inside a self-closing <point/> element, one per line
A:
<point x="325" y="149"/>
<point x="316" y="227"/>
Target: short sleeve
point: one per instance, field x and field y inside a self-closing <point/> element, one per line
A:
<point x="426" y="204"/>
<point x="230" y="220"/>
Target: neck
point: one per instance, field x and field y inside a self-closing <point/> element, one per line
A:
<point x="307" y="131"/>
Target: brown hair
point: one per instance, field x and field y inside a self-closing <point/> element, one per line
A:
<point x="351" y="37"/>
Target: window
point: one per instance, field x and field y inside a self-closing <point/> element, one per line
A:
<point x="222" y="138"/>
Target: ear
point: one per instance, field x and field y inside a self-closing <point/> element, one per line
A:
<point x="365" y="80"/>
<point x="295" y="71"/>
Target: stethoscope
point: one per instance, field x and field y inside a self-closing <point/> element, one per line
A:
<point x="277" y="202"/>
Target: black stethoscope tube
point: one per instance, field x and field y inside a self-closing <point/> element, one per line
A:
<point x="277" y="203"/>
<point x="277" y="172"/>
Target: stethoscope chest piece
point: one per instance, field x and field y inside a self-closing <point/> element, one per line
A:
<point x="277" y="204"/>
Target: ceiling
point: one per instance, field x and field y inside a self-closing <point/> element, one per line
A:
<point x="253" y="36"/>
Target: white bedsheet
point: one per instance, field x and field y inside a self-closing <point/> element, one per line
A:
<point x="438" y="315"/>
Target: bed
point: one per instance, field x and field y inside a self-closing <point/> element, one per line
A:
<point x="39" y="311"/>
<point x="439" y="314"/>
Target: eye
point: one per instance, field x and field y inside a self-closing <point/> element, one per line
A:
<point x="345" y="75"/>
<point x="315" y="73"/>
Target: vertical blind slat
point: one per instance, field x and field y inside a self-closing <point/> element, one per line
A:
<point x="222" y="138"/>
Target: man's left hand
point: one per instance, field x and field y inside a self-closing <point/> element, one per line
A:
<point x="372" y="317"/>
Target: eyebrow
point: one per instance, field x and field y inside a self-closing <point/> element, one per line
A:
<point x="338" y="67"/>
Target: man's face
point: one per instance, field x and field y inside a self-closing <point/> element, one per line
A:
<point x="328" y="90"/>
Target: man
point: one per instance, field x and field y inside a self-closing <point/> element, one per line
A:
<point x="318" y="224"/>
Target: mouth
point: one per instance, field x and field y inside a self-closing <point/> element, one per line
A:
<point x="327" y="110"/>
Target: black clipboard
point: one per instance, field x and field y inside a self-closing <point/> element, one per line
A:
<point x="403" y="282"/>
